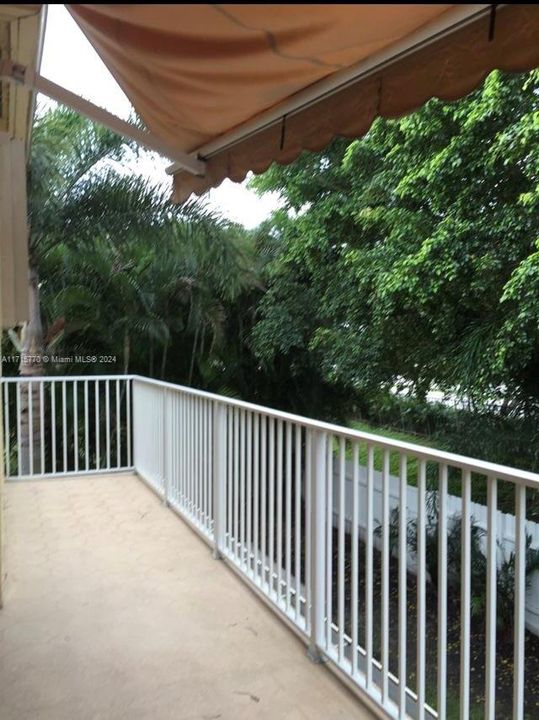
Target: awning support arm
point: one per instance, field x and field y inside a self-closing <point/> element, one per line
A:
<point x="21" y="75"/>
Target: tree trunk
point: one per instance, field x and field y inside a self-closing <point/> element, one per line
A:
<point x="31" y="366"/>
<point x="192" y="365"/>
<point x="164" y="360"/>
<point x="127" y="351"/>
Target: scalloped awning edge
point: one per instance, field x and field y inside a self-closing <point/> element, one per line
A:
<point x="447" y="69"/>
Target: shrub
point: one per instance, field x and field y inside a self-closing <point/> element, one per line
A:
<point x="478" y="568"/>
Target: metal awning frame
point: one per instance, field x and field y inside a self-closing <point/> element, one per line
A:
<point x="23" y="75"/>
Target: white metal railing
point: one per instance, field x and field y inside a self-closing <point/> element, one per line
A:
<point x="270" y="492"/>
<point x="66" y="425"/>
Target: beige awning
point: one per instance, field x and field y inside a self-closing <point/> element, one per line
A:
<point x="242" y="86"/>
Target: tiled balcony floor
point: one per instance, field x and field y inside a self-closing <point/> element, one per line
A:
<point x="115" y="609"/>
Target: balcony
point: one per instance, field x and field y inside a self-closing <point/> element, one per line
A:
<point x="114" y="608"/>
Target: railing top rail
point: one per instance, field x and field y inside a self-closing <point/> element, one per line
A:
<point x="59" y="378"/>
<point x="502" y="472"/>
<point x="483" y="467"/>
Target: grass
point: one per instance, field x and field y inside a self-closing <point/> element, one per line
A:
<point x="477" y="711"/>
<point x="506" y="495"/>
<point x="394" y="457"/>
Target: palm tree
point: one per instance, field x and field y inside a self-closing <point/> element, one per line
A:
<point x="76" y="190"/>
<point x="176" y="284"/>
<point x="201" y="271"/>
<point x="116" y="264"/>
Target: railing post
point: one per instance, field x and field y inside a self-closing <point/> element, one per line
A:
<point x="318" y="546"/>
<point x="164" y="443"/>
<point x="219" y="478"/>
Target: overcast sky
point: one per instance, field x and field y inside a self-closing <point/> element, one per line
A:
<point x="70" y="61"/>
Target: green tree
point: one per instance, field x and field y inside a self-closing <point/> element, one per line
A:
<point x="96" y="231"/>
<point x="161" y="300"/>
<point x="411" y="256"/>
<point x="76" y="192"/>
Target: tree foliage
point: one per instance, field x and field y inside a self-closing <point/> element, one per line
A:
<point x="410" y="257"/>
<point x="123" y="273"/>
